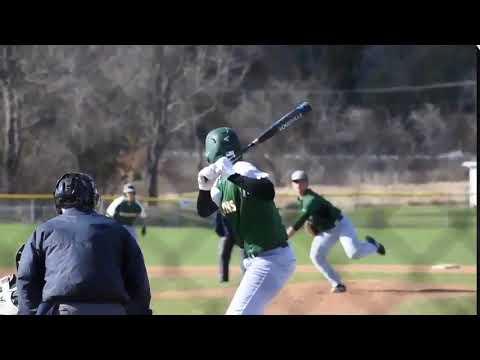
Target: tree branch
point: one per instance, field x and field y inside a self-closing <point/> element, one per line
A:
<point x="193" y="118"/>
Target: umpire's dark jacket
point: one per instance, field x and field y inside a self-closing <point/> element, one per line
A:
<point x="84" y="258"/>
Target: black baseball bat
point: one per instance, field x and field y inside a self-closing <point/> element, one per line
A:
<point x="281" y="124"/>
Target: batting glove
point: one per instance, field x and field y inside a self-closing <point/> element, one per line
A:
<point x="207" y="177"/>
<point x="224" y="167"/>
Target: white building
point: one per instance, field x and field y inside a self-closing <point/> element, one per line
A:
<point x="472" y="166"/>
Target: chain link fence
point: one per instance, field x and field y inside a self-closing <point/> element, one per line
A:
<point x="445" y="214"/>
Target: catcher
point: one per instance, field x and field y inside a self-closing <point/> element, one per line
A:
<point x="327" y="225"/>
<point x="8" y="290"/>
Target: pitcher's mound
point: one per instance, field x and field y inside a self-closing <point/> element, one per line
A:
<point x="362" y="298"/>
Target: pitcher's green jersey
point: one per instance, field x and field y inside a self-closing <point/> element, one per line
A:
<point x="256" y="223"/>
<point x="320" y="211"/>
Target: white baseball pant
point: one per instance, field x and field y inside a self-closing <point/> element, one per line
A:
<point x="353" y="247"/>
<point x="265" y="276"/>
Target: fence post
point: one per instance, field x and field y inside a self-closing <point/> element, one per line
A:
<point x="32" y="211"/>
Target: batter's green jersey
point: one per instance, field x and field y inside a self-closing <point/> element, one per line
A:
<point x="318" y="210"/>
<point x="256" y="223"/>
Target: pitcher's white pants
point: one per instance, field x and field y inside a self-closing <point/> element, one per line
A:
<point x="264" y="277"/>
<point x="354" y="248"/>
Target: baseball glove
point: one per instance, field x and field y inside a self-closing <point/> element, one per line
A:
<point x="311" y="229"/>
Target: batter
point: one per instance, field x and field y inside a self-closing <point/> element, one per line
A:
<point x="245" y="196"/>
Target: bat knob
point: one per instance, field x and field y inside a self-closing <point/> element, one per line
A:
<point x="304" y="107"/>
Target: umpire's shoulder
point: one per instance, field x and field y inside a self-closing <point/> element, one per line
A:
<point x="114" y="224"/>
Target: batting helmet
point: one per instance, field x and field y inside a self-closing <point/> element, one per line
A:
<point x="75" y="190"/>
<point x="221" y="142"/>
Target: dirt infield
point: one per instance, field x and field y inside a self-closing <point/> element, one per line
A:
<point x="368" y="297"/>
<point x="364" y="297"/>
<point x="192" y="271"/>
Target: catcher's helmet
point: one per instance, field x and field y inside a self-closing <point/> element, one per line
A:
<point x="75" y="190"/>
<point x="221" y="142"/>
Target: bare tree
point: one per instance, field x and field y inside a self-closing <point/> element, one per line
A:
<point x="10" y="73"/>
<point x="184" y="88"/>
<point x="20" y="122"/>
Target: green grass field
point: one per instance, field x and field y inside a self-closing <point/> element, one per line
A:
<point x="412" y="236"/>
<point x="454" y="306"/>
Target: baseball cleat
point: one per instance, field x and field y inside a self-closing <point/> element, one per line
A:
<point x="340" y="288"/>
<point x="380" y="248"/>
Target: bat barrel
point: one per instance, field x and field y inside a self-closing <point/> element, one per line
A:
<point x="304" y="107"/>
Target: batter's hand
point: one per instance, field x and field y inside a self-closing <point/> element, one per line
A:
<point x="224" y="167"/>
<point x="207" y="177"/>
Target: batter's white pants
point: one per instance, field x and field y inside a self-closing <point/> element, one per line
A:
<point x="131" y="229"/>
<point x="264" y="277"/>
<point x="354" y="248"/>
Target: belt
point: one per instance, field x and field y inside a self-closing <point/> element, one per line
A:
<point x="281" y="246"/>
<point x="335" y="224"/>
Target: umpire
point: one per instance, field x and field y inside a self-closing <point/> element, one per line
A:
<point x="80" y="262"/>
<point x="227" y="241"/>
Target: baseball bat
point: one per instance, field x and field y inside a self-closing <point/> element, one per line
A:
<point x="281" y="124"/>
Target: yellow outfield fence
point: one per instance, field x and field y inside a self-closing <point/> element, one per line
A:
<point x="180" y="209"/>
<point x="176" y="197"/>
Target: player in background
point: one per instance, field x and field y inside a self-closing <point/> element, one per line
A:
<point x="245" y="196"/>
<point x="226" y="244"/>
<point x="328" y="225"/>
<point x="128" y="211"/>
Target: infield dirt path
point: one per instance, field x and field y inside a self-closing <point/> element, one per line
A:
<point x="365" y="297"/>
<point x="192" y="271"/>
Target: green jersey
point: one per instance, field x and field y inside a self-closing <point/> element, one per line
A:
<point x="256" y="223"/>
<point x="318" y="210"/>
<point x="125" y="212"/>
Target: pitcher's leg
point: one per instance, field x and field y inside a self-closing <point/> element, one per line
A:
<point x="354" y="248"/>
<point x="319" y="251"/>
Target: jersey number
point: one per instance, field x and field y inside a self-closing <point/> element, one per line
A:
<point x="229" y="207"/>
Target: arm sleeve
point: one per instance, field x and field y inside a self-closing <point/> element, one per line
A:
<point x="205" y="204"/>
<point x="143" y="214"/>
<point x="260" y="188"/>
<point x="136" y="279"/>
<point x="112" y="208"/>
<point x="30" y="278"/>
<point x="301" y="220"/>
